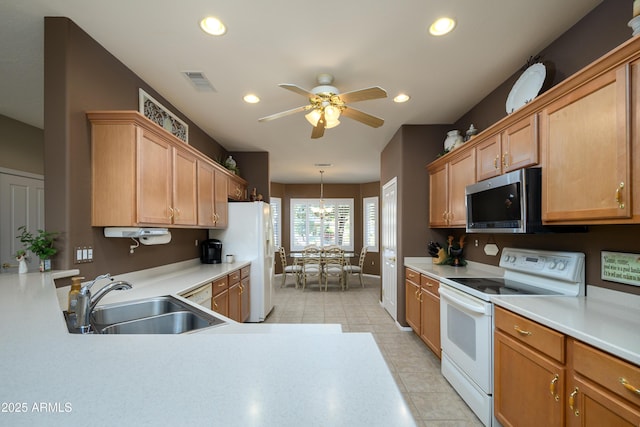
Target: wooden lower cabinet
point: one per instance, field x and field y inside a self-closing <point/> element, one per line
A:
<point x="423" y="308"/>
<point x="245" y="295"/>
<point x="543" y="378"/>
<point x="220" y="301"/>
<point x="239" y="292"/>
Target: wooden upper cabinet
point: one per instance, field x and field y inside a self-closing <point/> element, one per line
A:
<point x="514" y="148"/>
<point x="447" y="183"/>
<point x="586" y="152"/>
<point x="154" y="179"/>
<point x="185" y="207"/>
<point x="212" y="196"/>
<point x="237" y="189"/>
<point x="144" y="176"/>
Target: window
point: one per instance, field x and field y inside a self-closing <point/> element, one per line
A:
<point x="370" y="223"/>
<point x="309" y="226"/>
<point x="276" y="208"/>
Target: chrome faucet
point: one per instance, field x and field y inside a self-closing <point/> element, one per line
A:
<point x="87" y="303"/>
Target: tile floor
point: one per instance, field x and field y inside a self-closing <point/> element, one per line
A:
<point x="415" y="368"/>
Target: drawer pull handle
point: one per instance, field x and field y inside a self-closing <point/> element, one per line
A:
<point x="552" y="387"/>
<point x="505" y="157"/>
<point x="628" y="386"/>
<point x="521" y="331"/>
<point x="420" y="297"/>
<point x="495" y="162"/>
<point x="572" y="402"/>
<point x="215" y="306"/>
<point x="619" y="196"/>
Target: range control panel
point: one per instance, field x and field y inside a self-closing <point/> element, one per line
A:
<point x="566" y="266"/>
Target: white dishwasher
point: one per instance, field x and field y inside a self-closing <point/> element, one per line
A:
<point x="201" y="296"/>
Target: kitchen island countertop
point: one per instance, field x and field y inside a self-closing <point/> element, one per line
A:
<point x="52" y="378"/>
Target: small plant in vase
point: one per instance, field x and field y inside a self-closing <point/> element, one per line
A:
<point x="40" y="244"/>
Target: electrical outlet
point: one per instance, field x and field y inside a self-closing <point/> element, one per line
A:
<point x="196" y="242"/>
<point x="476" y="243"/>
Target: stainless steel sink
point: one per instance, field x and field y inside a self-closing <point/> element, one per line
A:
<point x="170" y="323"/>
<point x="158" y="315"/>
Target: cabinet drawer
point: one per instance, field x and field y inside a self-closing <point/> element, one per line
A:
<point x="245" y="272"/>
<point x="234" y="277"/>
<point x="412" y="276"/>
<point x="220" y="285"/>
<point x="618" y="376"/>
<point x="531" y="333"/>
<point x="430" y="285"/>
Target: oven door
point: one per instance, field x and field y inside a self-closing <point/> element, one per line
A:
<point x="466" y="336"/>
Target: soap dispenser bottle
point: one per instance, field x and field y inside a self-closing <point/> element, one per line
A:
<point x="76" y="284"/>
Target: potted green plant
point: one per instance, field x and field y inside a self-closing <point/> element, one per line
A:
<point x="40" y="244"/>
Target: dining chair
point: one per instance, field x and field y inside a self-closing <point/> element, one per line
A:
<point x="333" y="266"/>
<point x="292" y="270"/>
<point x="355" y="269"/>
<point x="311" y="265"/>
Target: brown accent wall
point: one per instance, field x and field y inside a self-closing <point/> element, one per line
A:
<point x="81" y="75"/>
<point x="254" y="168"/>
<point x="596" y="34"/>
<point x="403" y="159"/>
<point x="21" y="145"/>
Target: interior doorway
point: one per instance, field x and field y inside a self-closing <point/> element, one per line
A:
<point x="21" y="203"/>
<point x="389" y="226"/>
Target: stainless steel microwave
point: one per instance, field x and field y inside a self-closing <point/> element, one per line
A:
<point x="509" y="203"/>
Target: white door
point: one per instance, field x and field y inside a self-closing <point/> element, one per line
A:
<point x="21" y="203"/>
<point x="389" y="227"/>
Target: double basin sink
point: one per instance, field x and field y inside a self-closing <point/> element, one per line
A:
<point x="157" y="315"/>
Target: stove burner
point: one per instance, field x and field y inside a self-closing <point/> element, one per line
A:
<point x="498" y="286"/>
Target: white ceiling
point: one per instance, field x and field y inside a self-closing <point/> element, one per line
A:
<point x="361" y="42"/>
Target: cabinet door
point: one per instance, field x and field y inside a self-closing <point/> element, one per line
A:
<point x="412" y="300"/>
<point x="520" y="144"/>
<point x="462" y="172"/>
<point x="593" y="406"/>
<point x="430" y="314"/>
<point x="438" y="196"/>
<point x="184" y="188"/>
<point x="237" y="190"/>
<point x="154" y="180"/>
<point x="234" y="302"/>
<point x="586" y="152"/>
<point x="206" y="201"/>
<point x="488" y="159"/>
<point x="245" y="299"/>
<point x="221" y="201"/>
<point x="528" y="387"/>
<point x="220" y="303"/>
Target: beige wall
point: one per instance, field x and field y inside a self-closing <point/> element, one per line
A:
<point x="22" y="146"/>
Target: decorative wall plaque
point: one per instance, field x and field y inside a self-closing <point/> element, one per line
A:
<point x="620" y="267"/>
<point x="161" y="116"/>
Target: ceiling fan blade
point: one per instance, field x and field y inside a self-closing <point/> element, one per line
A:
<point x="374" y="92"/>
<point x="284" y="113"/>
<point x="362" y="117"/>
<point x="318" y="130"/>
<point x="297" y="89"/>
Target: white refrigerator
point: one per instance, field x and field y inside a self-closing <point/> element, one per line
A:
<point x="249" y="237"/>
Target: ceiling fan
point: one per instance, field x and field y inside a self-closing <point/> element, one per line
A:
<point x="326" y="105"/>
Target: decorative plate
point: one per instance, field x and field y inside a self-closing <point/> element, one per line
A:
<point x="526" y="87"/>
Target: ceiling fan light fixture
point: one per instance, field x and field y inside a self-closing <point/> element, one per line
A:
<point x="442" y="26"/>
<point x="313" y="116"/>
<point x="213" y="26"/>
<point x="331" y="124"/>
<point x="331" y="113"/>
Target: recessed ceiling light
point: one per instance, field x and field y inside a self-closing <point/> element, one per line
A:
<point x="251" y="98"/>
<point x="403" y="97"/>
<point x="212" y="25"/>
<point x="442" y="26"/>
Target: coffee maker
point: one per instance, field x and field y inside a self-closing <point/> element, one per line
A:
<point x="211" y="251"/>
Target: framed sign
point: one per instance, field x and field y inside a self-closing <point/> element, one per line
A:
<point x="157" y="113"/>
<point x="620" y="267"/>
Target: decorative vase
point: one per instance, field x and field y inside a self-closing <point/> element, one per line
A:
<point x="22" y="265"/>
<point x="45" y="265"/>
<point x="453" y="140"/>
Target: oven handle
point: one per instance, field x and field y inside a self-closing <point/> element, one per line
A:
<point x="461" y="300"/>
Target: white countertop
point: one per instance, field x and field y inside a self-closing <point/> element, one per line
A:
<point x="605" y="319"/>
<point x="313" y="376"/>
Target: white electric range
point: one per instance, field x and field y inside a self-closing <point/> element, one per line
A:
<point x="466" y="316"/>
